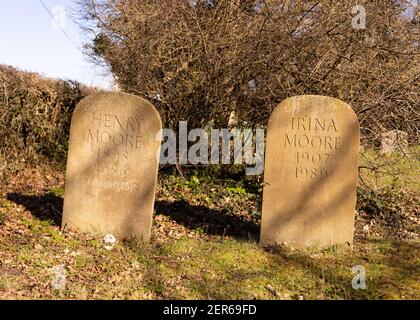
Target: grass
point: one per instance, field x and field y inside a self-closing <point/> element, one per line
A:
<point x="391" y="171"/>
<point x="204" y="246"/>
<point x="198" y="268"/>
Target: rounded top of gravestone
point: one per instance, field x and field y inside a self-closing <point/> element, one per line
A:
<point x="316" y="102"/>
<point x="116" y="98"/>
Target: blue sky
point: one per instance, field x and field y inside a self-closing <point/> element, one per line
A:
<point x="32" y="40"/>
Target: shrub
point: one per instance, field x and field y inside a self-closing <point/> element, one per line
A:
<point x="35" y="116"/>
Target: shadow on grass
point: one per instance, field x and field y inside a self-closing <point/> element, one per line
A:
<point x="48" y="207"/>
<point x="210" y="221"/>
<point x="391" y="272"/>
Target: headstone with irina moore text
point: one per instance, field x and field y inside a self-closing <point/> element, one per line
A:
<point x="311" y="169"/>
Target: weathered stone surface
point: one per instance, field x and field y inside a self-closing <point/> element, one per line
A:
<point x="112" y="166"/>
<point x="394" y="140"/>
<point x="310" y="173"/>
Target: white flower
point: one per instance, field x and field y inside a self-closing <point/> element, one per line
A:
<point x="110" y="241"/>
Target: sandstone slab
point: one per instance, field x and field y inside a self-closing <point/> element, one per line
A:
<point x="311" y="171"/>
<point x="112" y="166"/>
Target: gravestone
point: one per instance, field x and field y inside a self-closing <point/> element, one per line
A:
<point x="311" y="171"/>
<point x="394" y="140"/>
<point x="112" y="166"/>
